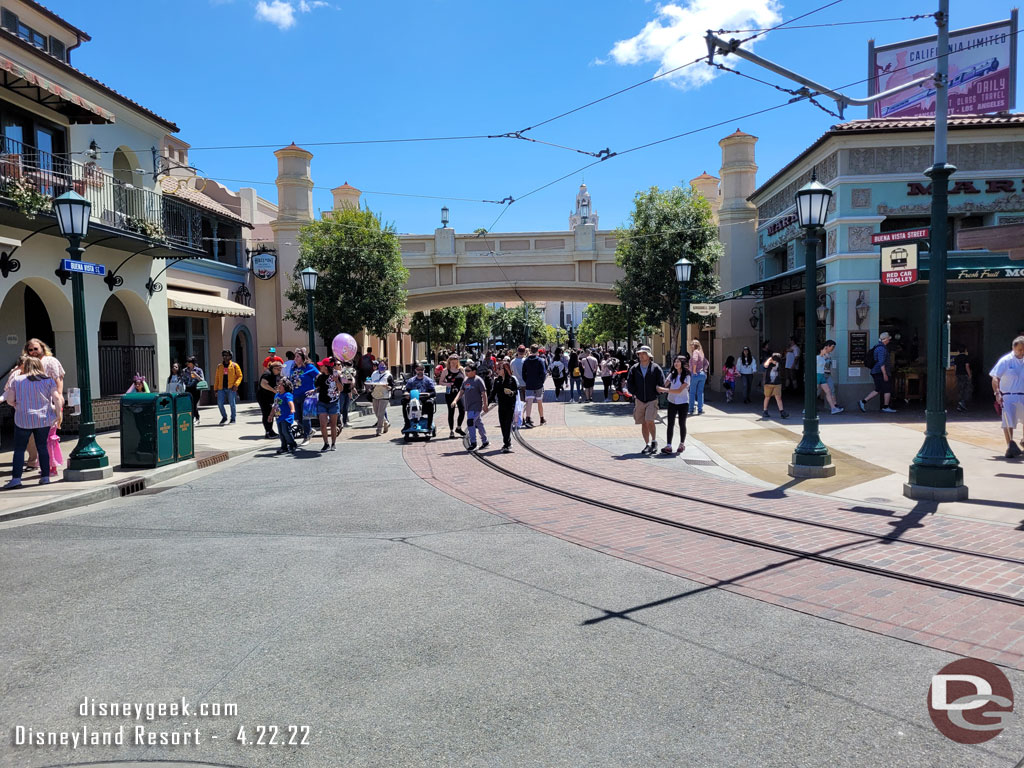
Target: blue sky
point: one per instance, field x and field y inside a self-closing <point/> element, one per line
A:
<point x="232" y="72"/>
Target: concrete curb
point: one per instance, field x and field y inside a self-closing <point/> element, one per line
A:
<point x="127" y="485"/>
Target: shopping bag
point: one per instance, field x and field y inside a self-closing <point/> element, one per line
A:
<point x="517" y="417"/>
<point x="53" y="448"/>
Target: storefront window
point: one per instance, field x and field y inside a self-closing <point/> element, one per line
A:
<point x="188" y="337"/>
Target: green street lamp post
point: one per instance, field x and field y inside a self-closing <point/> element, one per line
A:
<point x="936" y="474"/>
<point x="309" y="278"/>
<point x="87" y="461"/>
<point x="426" y="314"/>
<point x="683" y="269"/>
<point x="811" y="458"/>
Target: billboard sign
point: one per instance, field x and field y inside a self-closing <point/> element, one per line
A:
<point x="982" y="72"/>
<point x="899" y="264"/>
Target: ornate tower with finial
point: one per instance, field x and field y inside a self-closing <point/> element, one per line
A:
<point x="584" y="209"/>
<point x="294" y="210"/>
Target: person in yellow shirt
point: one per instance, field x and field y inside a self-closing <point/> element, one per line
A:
<point x="225" y="384"/>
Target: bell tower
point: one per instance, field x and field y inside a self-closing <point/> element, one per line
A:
<point x="584" y="209"/>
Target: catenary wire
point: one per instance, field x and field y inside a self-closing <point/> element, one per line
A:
<point x="915" y="17"/>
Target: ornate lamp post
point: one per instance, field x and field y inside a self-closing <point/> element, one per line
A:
<point x="811" y="458"/>
<point x="936" y="474"/>
<point x="584" y="212"/>
<point x="444" y="216"/>
<point x="309" y="278"/>
<point x="87" y="461"/>
<point x="683" y="268"/>
<point x="426" y="314"/>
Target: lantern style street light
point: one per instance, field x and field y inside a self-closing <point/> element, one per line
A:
<point x="811" y="458"/>
<point x="87" y="461"/>
<point x="584" y="212"/>
<point x="426" y="314"/>
<point x="683" y="269"/>
<point x="309" y="280"/>
<point x="444" y="216"/>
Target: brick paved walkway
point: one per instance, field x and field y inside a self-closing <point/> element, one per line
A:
<point x="962" y="624"/>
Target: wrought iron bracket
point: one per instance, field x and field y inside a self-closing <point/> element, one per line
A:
<point x="63" y="274"/>
<point x="7" y="264"/>
<point x="152" y="285"/>
<point x="114" y="280"/>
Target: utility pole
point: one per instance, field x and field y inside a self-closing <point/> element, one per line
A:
<point x="936" y="473"/>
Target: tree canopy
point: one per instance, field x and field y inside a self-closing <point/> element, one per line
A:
<point x="608" y="322"/>
<point x="362" y="280"/>
<point x="447" y="326"/>
<point x="507" y="325"/>
<point x="665" y="226"/>
<point x="478" y="324"/>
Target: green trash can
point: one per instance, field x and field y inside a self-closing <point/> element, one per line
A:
<point x="147" y="429"/>
<point x="184" y="443"/>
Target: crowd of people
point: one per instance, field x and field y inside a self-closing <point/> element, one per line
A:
<point x="298" y="396"/>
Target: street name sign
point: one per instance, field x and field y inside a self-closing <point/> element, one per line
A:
<point x="704" y="310"/>
<point x="905" y="236"/>
<point x="899" y="264"/>
<point x="83" y="267"/>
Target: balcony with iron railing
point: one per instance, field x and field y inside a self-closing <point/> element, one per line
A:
<point x="30" y="178"/>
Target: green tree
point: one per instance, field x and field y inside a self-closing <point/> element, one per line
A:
<point x="507" y="324"/>
<point x="478" y="324"/>
<point x="608" y="322"/>
<point x="362" y="280"/>
<point x="555" y="337"/>
<point x="666" y="225"/>
<point x="447" y="326"/>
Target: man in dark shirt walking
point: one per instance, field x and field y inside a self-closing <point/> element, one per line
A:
<point x="534" y="374"/>
<point x="642" y="382"/>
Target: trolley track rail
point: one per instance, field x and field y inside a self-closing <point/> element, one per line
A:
<point x="882" y="538"/>
<point x="797" y="554"/>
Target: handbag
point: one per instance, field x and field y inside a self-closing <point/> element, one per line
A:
<point x="310" y="403"/>
<point x="53" y="449"/>
<point x="202" y="384"/>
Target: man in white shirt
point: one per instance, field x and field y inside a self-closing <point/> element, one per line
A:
<point x="1008" y="387"/>
<point x="589" y="366"/>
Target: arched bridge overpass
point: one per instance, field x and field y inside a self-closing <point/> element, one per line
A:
<point x="447" y="269"/>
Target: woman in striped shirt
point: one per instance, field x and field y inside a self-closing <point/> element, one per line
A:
<point x="38" y="405"/>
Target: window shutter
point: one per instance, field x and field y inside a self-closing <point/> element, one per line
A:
<point x="58" y="49"/>
<point x="9" y="21"/>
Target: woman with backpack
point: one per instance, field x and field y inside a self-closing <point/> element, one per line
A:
<point x="558" y="373"/>
<point x="699" y="366"/>
<point x="773" y="383"/>
<point x="575" y="376"/>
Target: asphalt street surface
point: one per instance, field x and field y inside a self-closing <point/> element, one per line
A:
<point x="341" y="593"/>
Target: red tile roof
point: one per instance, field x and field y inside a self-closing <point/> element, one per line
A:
<point x="54" y="17"/>
<point x="170" y="187"/>
<point x="6" y="36"/>
<point x="894" y="125"/>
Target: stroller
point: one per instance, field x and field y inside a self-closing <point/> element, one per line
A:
<point x="619" y="387"/>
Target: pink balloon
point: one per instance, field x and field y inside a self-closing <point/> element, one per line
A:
<point x="344" y="346"/>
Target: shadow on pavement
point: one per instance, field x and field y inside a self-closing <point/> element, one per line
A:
<point x="776" y="493"/>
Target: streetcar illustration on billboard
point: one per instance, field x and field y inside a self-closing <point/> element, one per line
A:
<point x="899" y="258"/>
<point x="965" y="76"/>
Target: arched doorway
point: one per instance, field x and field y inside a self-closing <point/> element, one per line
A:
<point x="126" y="345"/>
<point x="34" y="308"/>
<point x="129" y="197"/>
<point x="242" y="349"/>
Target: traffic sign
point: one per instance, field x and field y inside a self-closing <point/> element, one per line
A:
<point x="905" y="236"/>
<point x="899" y="265"/>
<point x="704" y="310"/>
<point x="83" y="267"/>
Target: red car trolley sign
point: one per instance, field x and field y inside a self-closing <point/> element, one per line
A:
<point x="899" y="264"/>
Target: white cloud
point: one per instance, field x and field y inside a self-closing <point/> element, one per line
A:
<point x="676" y="35"/>
<point x="279" y="13"/>
<point x="306" y="7"/>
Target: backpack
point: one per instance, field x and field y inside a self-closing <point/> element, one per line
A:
<point x="869" y="363"/>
